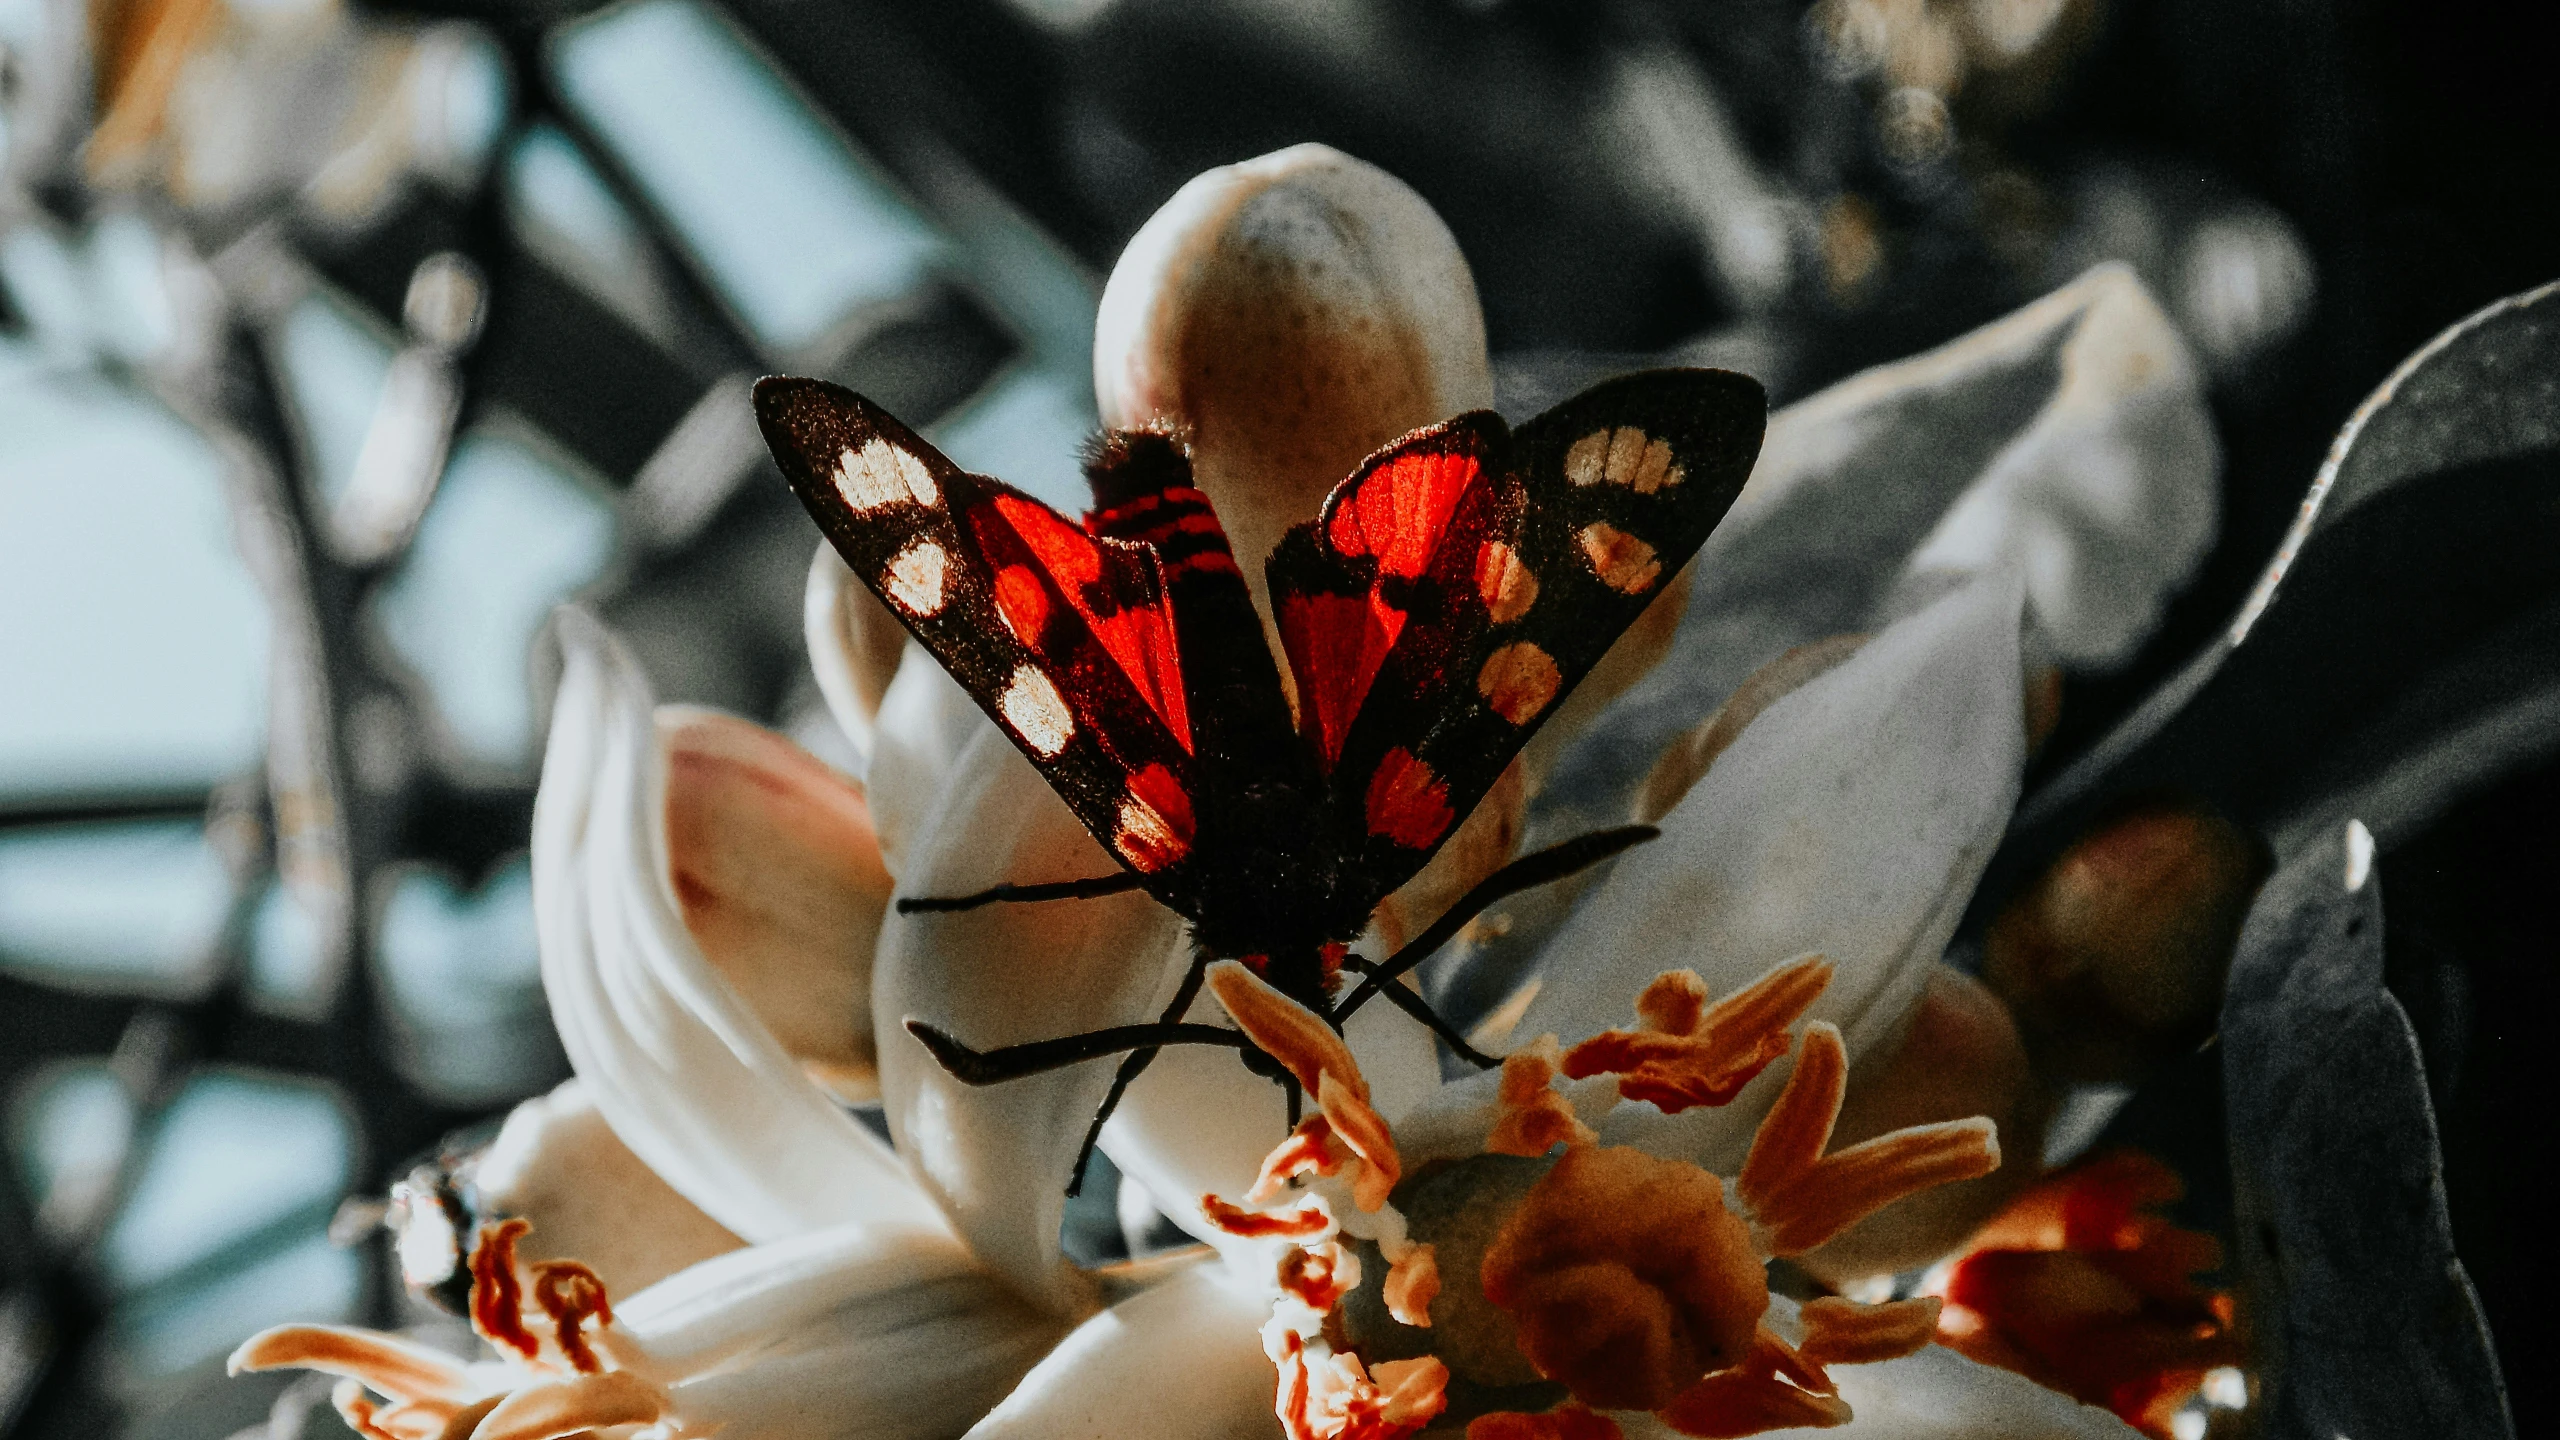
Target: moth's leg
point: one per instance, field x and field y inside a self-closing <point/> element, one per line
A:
<point x="1136" y="1065"/>
<point x="1012" y="1062"/>
<point x="1290" y="1084"/>
<point x="1094" y="888"/>
<point x="1420" y="1009"/>
<point x="1526" y="873"/>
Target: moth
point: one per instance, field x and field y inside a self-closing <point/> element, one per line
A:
<point x="1437" y="609"/>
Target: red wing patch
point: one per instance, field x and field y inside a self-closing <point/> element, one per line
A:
<point x="1065" y="639"/>
<point x="1459" y="585"/>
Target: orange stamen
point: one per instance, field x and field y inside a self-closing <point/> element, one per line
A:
<point x="357" y="1409"/>
<point x="1533" y="1117"/>
<point x="1413" y="1282"/>
<point x="395" y="1367"/>
<point x="1843" y="1332"/>
<point x="1719" y="1051"/>
<point x="1801" y="1197"/>
<point x="1366" y="1133"/>
<point x="497" y="1297"/>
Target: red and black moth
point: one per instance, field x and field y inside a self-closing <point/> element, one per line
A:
<point x="1439" y="607"/>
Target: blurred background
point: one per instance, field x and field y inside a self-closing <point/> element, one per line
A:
<point x="338" y="342"/>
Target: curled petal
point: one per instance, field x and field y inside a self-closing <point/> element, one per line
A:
<point x="778" y="871"/>
<point x="1853" y="818"/>
<point x="399" y="1368"/>
<point x="998" y="1158"/>
<point x="675" y="1060"/>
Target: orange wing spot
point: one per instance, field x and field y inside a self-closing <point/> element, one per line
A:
<point x="1400" y="512"/>
<point x="1023" y="602"/>
<point x="1299" y="1222"/>
<point x="1155" y="821"/>
<point x="1622" y="561"/>
<point x="1518" y="681"/>
<point x="1407" y="803"/>
<point x="1505" y="581"/>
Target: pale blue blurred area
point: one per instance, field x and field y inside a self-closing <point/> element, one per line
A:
<point x="566" y="213"/>
<point x="288" y="957"/>
<point x="465" y="983"/>
<point x="333" y="364"/>
<point x="794" y="229"/>
<point x="123" y="906"/>
<point x="135" y="657"/>
<point x="233" y="1156"/>
<point x="69" y="1129"/>
<point x="1027" y="429"/>
<point x="509" y="536"/>
<point x="309" y="1281"/>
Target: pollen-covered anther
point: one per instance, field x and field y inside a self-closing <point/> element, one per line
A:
<point x="497" y="1294"/>
<point x="1624" y="456"/>
<point x="1799" y="1197"/>
<point x="1531" y="1118"/>
<point x="919" y="578"/>
<point x="1565" y="1422"/>
<point x="1413" y="1282"/>
<point x="1318" y="1276"/>
<point x="1627" y="1277"/>
<point x="1623" y="562"/>
<point x="574" y="1298"/>
<point x="1843" y="1332"/>
<point x="1519" y="681"/>
<point x="882" y="474"/>
<point x="1329" y="1396"/>
<point x="1302" y="1222"/>
<point x="1691" y="1054"/>
<point x="1309" y="1150"/>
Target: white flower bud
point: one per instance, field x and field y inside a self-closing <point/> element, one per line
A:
<point x="1291" y="314"/>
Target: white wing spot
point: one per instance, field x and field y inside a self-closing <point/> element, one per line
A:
<point x="1624" y="456"/>
<point x="884" y="474"/>
<point x="1622" y="561"/>
<point x="1037" y="712"/>
<point x="917" y="578"/>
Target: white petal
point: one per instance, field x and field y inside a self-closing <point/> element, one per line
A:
<point x="847" y="1332"/>
<point x="1180" y="1361"/>
<point x="558" y="1164"/>
<point x="2106" y="501"/>
<point x="925" y="721"/>
<point x="999" y="1157"/>
<point x="677" y="1063"/>
<point x="1852" y="818"/>
<point x="2069" y="440"/>
<point x="854" y="646"/>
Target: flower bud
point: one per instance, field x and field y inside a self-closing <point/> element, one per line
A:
<point x="1289" y="314"/>
<point x="2114" y="958"/>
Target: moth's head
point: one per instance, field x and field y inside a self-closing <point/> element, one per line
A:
<point x="1288" y="315"/>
